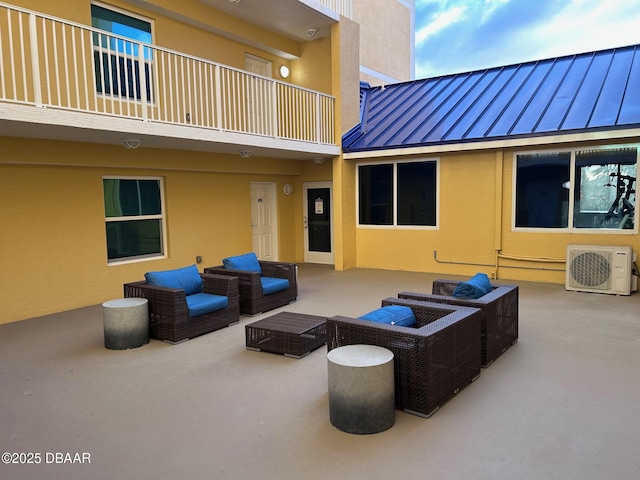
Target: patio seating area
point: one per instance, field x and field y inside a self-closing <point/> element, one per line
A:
<point x="561" y="403"/>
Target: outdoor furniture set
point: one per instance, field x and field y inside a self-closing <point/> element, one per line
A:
<point x="184" y="303"/>
<point x="439" y="341"/>
<point x="444" y="349"/>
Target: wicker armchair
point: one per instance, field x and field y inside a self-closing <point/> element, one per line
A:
<point x="252" y="299"/>
<point x="432" y="361"/>
<point x="499" y="314"/>
<point x="168" y="313"/>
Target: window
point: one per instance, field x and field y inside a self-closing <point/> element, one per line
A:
<point x="600" y="182"/>
<point x="117" y="60"/>
<point x="397" y="194"/>
<point x="134" y="218"/>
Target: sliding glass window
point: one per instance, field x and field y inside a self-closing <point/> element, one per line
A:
<point x="398" y="193"/>
<point x="576" y="189"/>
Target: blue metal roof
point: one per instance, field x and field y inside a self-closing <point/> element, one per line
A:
<point x="578" y="93"/>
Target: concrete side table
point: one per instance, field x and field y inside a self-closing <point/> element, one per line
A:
<point x="361" y="389"/>
<point x="126" y="323"/>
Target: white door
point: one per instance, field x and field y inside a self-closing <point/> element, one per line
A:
<point x="318" y="222"/>
<point x="264" y="221"/>
<point x="259" y="92"/>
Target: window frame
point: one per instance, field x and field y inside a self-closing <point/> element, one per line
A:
<point x="162" y="217"/>
<point x="573" y="171"/>
<point x="147" y="97"/>
<point x="394" y="225"/>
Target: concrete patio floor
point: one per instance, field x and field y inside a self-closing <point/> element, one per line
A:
<point x="563" y="403"/>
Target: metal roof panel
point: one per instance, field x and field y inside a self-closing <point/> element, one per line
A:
<point x="570" y="93"/>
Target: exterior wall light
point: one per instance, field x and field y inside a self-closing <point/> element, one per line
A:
<point x="284" y="71"/>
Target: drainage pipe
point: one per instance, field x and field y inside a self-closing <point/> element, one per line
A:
<point x="508" y="257"/>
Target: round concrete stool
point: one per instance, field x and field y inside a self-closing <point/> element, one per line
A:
<point x="126" y="323"/>
<point x="361" y="389"/>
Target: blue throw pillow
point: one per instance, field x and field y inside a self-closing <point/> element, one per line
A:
<point x="248" y="261"/>
<point x="475" y="287"/>
<point x="187" y="279"/>
<point x="393" y="315"/>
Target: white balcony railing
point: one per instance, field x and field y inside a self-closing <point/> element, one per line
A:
<point x="343" y="7"/>
<point x="48" y="62"/>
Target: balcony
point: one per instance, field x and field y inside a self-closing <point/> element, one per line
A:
<point x="67" y="81"/>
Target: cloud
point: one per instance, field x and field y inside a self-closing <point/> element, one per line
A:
<point x="456" y="36"/>
<point x="439" y="22"/>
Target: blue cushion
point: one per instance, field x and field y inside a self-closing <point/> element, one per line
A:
<point x="201" y="303"/>
<point x="475" y="287"/>
<point x="273" y="285"/>
<point x="187" y="279"/>
<point x="393" y="315"/>
<point x="248" y="261"/>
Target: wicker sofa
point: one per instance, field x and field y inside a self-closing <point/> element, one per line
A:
<point x="499" y="313"/>
<point x="253" y="300"/>
<point x="432" y="361"/>
<point x="169" y="318"/>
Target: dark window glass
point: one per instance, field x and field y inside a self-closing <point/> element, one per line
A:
<point x="542" y="190"/>
<point x="123" y="197"/>
<point x="133" y="238"/>
<point x="376" y="194"/>
<point x="130" y="198"/>
<point x="417" y="193"/>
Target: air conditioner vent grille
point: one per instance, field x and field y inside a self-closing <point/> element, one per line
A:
<point x="591" y="269"/>
<point x="599" y="269"/>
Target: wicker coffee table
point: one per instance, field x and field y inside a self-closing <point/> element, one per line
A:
<point x="292" y="334"/>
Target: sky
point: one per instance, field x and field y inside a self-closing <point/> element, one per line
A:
<point x="454" y="36"/>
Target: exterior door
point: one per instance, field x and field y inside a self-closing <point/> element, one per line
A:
<point x="318" y="222"/>
<point x="259" y="96"/>
<point x="264" y="222"/>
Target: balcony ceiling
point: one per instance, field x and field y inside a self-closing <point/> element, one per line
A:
<point x="290" y="18"/>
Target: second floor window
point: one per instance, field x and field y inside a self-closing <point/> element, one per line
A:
<point x="118" y="68"/>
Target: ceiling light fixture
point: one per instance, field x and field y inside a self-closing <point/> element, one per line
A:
<point x="246" y="153"/>
<point x="318" y="160"/>
<point x="311" y="32"/>
<point x="131" y="143"/>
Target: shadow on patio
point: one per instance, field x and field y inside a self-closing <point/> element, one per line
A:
<point x="562" y="403"/>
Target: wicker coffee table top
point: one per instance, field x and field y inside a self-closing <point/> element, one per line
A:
<point x="292" y="334"/>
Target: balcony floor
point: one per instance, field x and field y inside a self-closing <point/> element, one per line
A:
<point x="562" y="403"/>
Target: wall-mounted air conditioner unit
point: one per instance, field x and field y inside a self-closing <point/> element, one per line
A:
<point x="599" y="269"/>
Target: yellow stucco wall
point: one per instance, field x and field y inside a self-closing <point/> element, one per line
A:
<point x="53" y="242"/>
<point x="474" y="231"/>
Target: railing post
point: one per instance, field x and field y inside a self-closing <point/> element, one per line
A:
<point x="35" y="64"/>
<point x="143" y="81"/>
<point x="274" y="113"/>
<point x="218" y="98"/>
<point x="319" y="121"/>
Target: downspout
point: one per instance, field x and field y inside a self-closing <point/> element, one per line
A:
<point x="498" y="231"/>
<point x="499" y="189"/>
